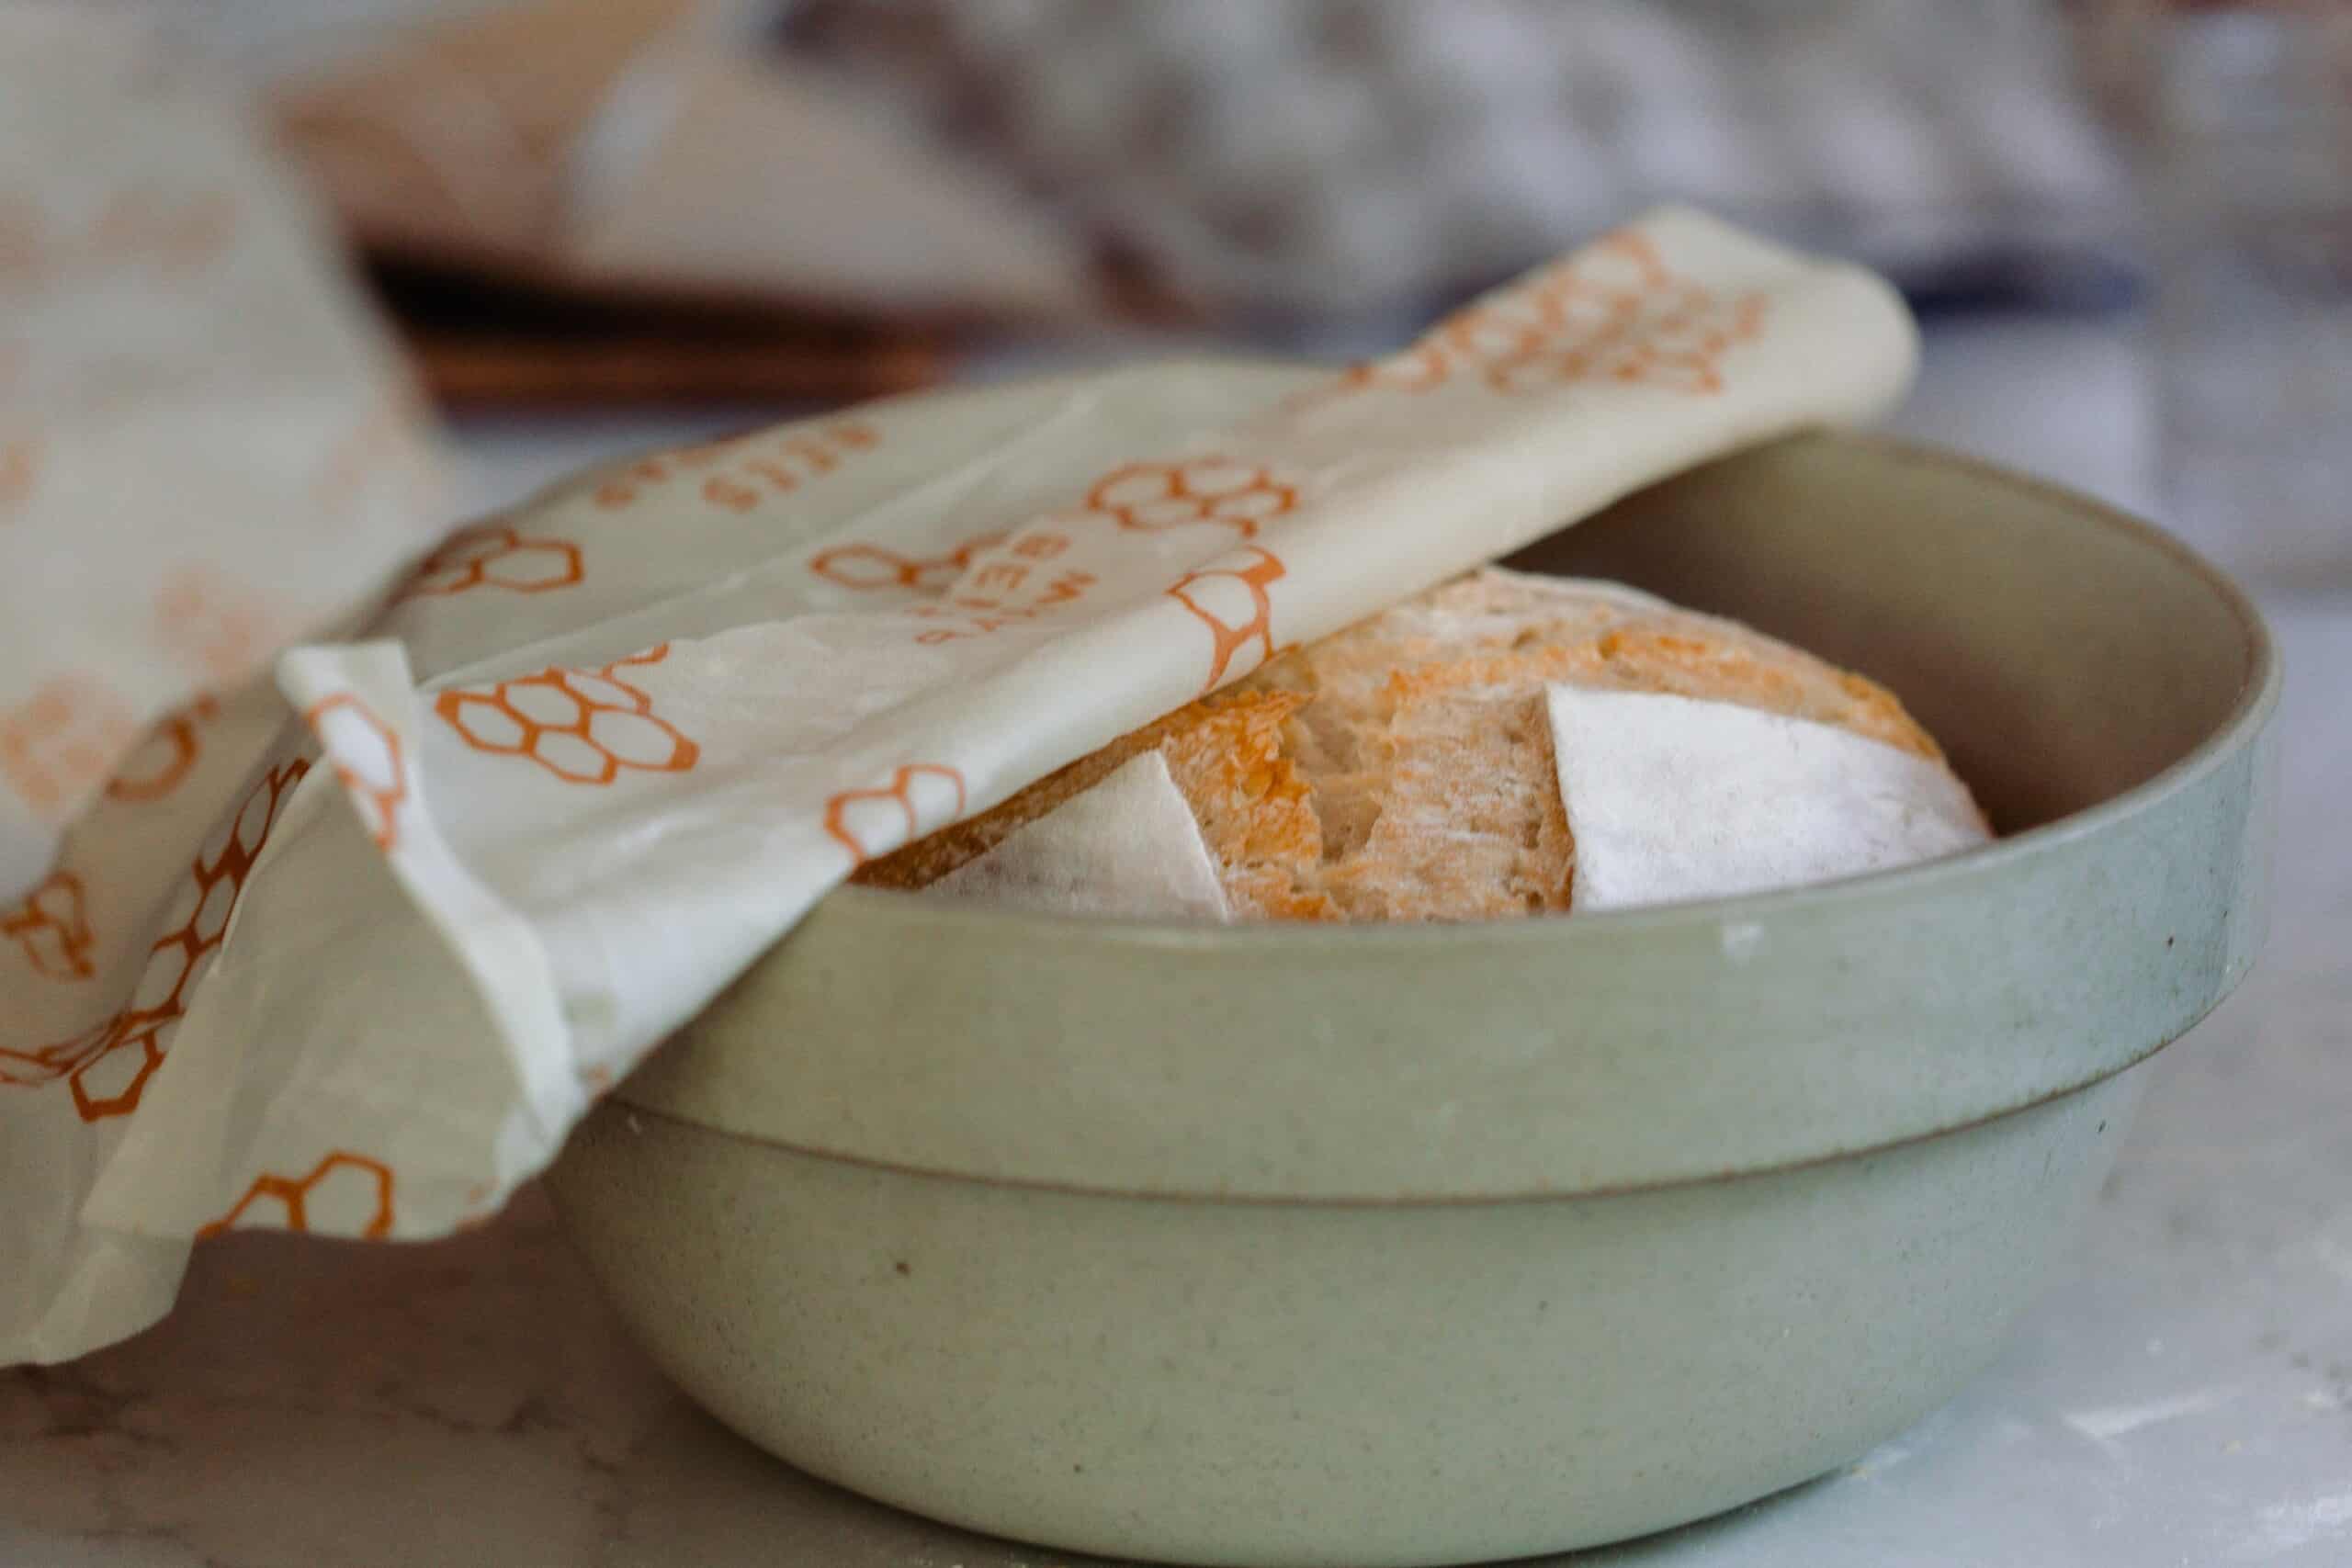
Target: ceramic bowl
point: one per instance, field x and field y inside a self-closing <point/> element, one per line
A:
<point x="1421" y="1245"/>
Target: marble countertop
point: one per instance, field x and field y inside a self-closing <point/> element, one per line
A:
<point x="2182" y="1394"/>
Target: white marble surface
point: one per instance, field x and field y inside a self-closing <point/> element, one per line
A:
<point x="2183" y="1395"/>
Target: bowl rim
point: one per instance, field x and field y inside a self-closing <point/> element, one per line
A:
<point x="2257" y="700"/>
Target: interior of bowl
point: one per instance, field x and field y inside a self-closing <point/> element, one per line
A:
<point x="2047" y="703"/>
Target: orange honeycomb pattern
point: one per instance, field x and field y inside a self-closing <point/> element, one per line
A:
<point x="50" y="1063"/>
<point x="494" y="555"/>
<point x="1526" y="320"/>
<point x="108" y="1066"/>
<point x="1615" y="312"/>
<point x="366" y="755"/>
<point x="165" y="756"/>
<point x="293" y="1195"/>
<point x="870" y="822"/>
<point x="1229" y="596"/>
<point x="53" y="927"/>
<point x="582" y="726"/>
<point x="867" y="568"/>
<point x="61" y="740"/>
<point x="209" y="621"/>
<point x="1150" y="497"/>
<point x="1680" y="349"/>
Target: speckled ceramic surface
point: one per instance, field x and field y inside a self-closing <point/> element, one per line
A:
<point x="1288" y="1246"/>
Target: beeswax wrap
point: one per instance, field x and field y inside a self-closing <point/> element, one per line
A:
<point x="360" y="975"/>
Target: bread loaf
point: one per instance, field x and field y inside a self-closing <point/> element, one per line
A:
<point x="1402" y="769"/>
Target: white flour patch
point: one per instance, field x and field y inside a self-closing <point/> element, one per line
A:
<point x="1671" y="799"/>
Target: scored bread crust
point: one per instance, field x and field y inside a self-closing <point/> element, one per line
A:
<point x="1402" y="769"/>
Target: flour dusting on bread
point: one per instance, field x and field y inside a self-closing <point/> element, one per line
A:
<point x="1129" y="846"/>
<point x="1673" y="798"/>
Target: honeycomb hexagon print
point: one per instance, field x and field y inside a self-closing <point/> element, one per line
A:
<point x="53" y="928"/>
<point x="1149" y="498"/>
<point x="919" y="797"/>
<point x="864" y="568"/>
<point x="168" y="754"/>
<point x="107" y="1066"/>
<point x="344" y="1194"/>
<point x="1616" y="312"/>
<point x="494" y="556"/>
<point x="366" y="752"/>
<point x="61" y="740"/>
<point x="1230" y="597"/>
<point x="585" y="727"/>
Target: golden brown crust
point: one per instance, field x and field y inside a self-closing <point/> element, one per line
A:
<point x="1402" y="769"/>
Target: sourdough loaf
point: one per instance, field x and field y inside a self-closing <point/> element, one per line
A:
<point x="1402" y="769"/>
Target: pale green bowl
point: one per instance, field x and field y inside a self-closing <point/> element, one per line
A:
<point x="1418" y="1245"/>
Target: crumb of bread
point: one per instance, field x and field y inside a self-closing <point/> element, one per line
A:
<point x="1402" y="769"/>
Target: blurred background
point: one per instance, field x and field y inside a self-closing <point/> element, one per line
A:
<point x="580" y="228"/>
<point x="2127" y="224"/>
